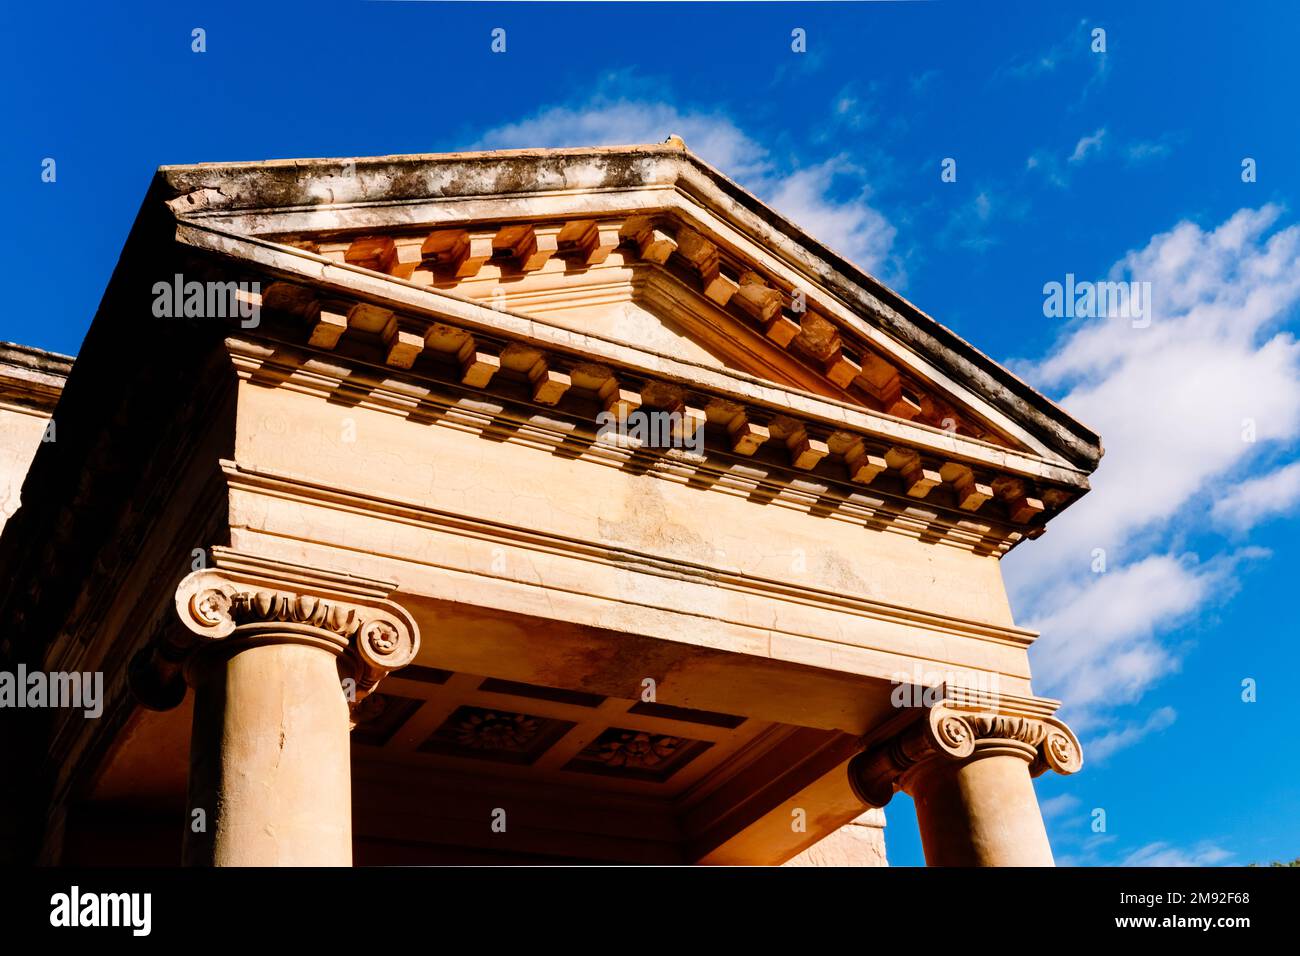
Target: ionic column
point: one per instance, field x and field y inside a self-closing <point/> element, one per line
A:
<point x="969" y="772"/>
<point x="276" y="663"/>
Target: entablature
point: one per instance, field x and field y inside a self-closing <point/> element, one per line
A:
<point x="996" y="494"/>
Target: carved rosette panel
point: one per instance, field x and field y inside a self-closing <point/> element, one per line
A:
<point x="371" y="637"/>
<point x="947" y="733"/>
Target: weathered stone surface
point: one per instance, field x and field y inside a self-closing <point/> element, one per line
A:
<point x="31" y="381"/>
<point x="860" y="843"/>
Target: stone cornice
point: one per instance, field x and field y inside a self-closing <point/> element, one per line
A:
<point x="823" y="415"/>
<point x="717" y="470"/>
<point x="840" y="501"/>
<point x="32" y="379"/>
<point x="965" y="725"/>
<point x="247" y="601"/>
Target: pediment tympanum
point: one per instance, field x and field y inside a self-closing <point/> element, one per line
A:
<point x="662" y="286"/>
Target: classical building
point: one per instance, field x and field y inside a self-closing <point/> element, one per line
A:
<point x="533" y="506"/>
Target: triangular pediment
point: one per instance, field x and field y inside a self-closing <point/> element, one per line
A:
<point x="637" y="276"/>
<point x="664" y="206"/>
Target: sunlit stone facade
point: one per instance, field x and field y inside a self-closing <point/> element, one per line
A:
<point x="375" y="573"/>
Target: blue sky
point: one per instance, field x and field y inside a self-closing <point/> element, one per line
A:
<point x="1126" y="163"/>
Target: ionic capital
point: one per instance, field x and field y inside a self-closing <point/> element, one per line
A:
<point x="960" y="729"/>
<point x="245" y="602"/>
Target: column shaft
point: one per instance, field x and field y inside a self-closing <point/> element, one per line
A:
<point x="270" y="758"/>
<point x="979" y="812"/>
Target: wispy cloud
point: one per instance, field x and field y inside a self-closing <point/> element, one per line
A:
<point x="1100" y="644"/>
<point x="852" y="226"/>
<point x="1164" y="854"/>
<point x="1056" y="166"/>
<point x="1107" y="849"/>
<point x="610" y="121"/>
<point x="1073" y="50"/>
<point x="972" y="224"/>
<point x="855" y="108"/>
<point x="1145" y="151"/>
<point x="1088" y="144"/>
<point x="1045" y="163"/>
<point x="1056" y="169"/>
<point x="920" y="83"/>
<point x="1256" y="499"/>
<point x="1058" y="806"/>
<point x="1030" y="66"/>
<point x="1100" y="748"/>
<point x="831" y="199"/>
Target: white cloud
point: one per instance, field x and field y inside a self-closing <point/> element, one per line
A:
<point x="921" y="82"/>
<point x="1089" y="854"/>
<point x="855" y="107"/>
<point x="1170" y="401"/>
<point x="1258" y="498"/>
<point x="853" y="228"/>
<point x="1055" y="167"/>
<point x="1088" y="144"/>
<point x="830" y="199"/>
<point x="1036" y="64"/>
<point x="1076" y="48"/>
<point x="971" y="225"/>
<point x="1046" y="163"/>
<point x="1057" y="806"/>
<point x="1145" y="151"/>
<point x="1099" y="647"/>
<point x="1163" y="854"/>
<point x="1098" y="849"/>
<point x="605" y="122"/>
<point x="1098" y="749"/>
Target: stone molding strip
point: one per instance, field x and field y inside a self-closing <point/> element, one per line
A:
<point x="298" y="488"/>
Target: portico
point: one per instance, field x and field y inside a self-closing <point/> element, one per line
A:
<point x="372" y="586"/>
